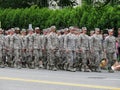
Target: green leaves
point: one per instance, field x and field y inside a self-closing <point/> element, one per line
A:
<point x="91" y="17"/>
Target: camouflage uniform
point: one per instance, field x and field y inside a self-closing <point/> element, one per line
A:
<point x="53" y="50"/>
<point x="96" y="50"/>
<point x="70" y="46"/>
<point x="2" y="49"/>
<point x="29" y="50"/>
<point x="110" y="49"/>
<point x="85" y="50"/>
<point x="37" y="49"/>
<point x="17" y="46"/>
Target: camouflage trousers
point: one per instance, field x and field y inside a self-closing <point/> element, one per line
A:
<point x="111" y="57"/>
<point x="37" y="53"/>
<point x="17" y="58"/>
<point x="71" y="58"/>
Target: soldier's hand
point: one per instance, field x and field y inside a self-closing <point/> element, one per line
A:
<point x="81" y="50"/>
<point x="77" y="51"/>
<point x="105" y="51"/>
<point x="67" y="50"/>
<point x="91" y="50"/>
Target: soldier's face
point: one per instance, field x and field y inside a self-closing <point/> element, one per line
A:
<point x="97" y="32"/>
<point x="0" y="32"/>
<point x="12" y="32"/>
<point x="111" y="33"/>
<point x="84" y="31"/>
<point x="119" y="32"/>
<point x="17" y="31"/>
<point x="30" y="32"/>
<point x="24" y="33"/>
<point x="37" y="31"/>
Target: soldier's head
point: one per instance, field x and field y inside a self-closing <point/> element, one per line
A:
<point x="1" y="31"/>
<point x="12" y="31"/>
<point x="17" y="30"/>
<point x="66" y="31"/>
<point x="30" y="31"/>
<point x="72" y="29"/>
<point x="53" y="29"/>
<point x="111" y="32"/>
<point x="23" y="32"/>
<point x="97" y="31"/>
<point x="44" y="31"/>
<point x="37" y="30"/>
<point x="84" y="30"/>
<point x="119" y="31"/>
<point x="92" y="32"/>
<point x="8" y="32"/>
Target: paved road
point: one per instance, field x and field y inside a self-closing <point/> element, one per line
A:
<point x="33" y="79"/>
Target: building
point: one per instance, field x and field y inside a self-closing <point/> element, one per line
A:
<point x="53" y="4"/>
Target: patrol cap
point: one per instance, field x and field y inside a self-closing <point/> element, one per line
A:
<point x="110" y="30"/>
<point x="71" y="28"/>
<point x="66" y="29"/>
<point x="97" y="29"/>
<point x="84" y="28"/>
<point x="53" y="27"/>
<point x="37" y="28"/>
<point x="23" y="30"/>
<point x="48" y="29"/>
<point x="92" y="31"/>
<point x="17" y="28"/>
<point x="12" y="29"/>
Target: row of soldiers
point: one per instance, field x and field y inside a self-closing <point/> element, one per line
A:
<point x="67" y="49"/>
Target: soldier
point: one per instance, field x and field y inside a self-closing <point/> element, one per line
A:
<point x="7" y="46"/>
<point x="10" y="47"/>
<point x="110" y="49"/>
<point x="61" y="49"/>
<point x="29" y="50"/>
<point x="17" y="46"/>
<point x="38" y="48"/>
<point x="96" y="49"/>
<point x="70" y="46"/>
<point x="44" y="47"/>
<point x="78" y="54"/>
<point x="84" y="48"/>
<point x="53" y="48"/>
<point x="2" y="48"/>
<point x="118" y="39"/>
<point x="24" y="46"/>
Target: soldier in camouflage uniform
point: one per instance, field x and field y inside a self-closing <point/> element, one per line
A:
<point x="38" y="48"/>
<point x="24" y="46"/>
<point x="53" y="48"/>
<point x="17" y="47"/>
<point x="7" y="45"/>
<point x="29" y="49"/>
<point x="44" y="47"/>
<point x="2" y="48"/>
<point x="61" y="49"/>
<point x="78" y="53"/>
<point x="110" y="49"/>
<point x="96" y="49"/>
<point x="118" y="39"/>
<point x="84" y="48"/>
<point x="70" y="46"/>
<point x="10" y="47"/>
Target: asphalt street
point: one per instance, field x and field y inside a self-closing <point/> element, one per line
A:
<point x="34" y="79"/>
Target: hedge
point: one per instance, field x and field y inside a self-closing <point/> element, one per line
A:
<point x="91" y="17"/>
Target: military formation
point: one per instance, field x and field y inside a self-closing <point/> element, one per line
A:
<point x="69" y="49"/>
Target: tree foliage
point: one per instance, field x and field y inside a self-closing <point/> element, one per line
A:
<point x="91" y="17"/>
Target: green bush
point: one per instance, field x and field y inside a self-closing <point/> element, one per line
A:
<point x="91" y="17"/>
